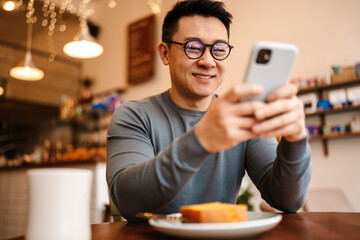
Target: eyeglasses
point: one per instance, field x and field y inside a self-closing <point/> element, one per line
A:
<point x="195" y="49"/>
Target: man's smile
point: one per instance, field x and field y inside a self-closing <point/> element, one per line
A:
<point x="203" y="76"/>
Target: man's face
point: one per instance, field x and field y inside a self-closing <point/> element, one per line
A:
<point x="199" y="78"/>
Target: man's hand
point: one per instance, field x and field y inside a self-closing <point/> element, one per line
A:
<point x="229" y="121"/>
<point x="283" y="115"/>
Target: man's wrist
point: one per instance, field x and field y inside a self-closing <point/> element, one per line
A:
<point x="202" y="142"/>
<point x="298" y="137"/>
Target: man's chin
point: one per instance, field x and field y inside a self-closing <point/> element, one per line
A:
<point x="204" y="93"/>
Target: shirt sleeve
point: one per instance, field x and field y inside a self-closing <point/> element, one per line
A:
<point x="282" y="176"/>
<point x="138" y="179"/>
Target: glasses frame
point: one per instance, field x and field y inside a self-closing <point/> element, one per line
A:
<point x="205" y="45"/>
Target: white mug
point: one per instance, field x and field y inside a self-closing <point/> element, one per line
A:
<point x="59" y="204"/>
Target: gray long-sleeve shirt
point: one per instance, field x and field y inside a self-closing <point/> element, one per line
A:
<point x="155" y="163"/>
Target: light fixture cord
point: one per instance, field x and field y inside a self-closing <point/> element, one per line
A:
<point x="28" y="44"/>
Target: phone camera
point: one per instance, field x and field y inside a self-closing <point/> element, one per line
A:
<point x="263" y="56"/>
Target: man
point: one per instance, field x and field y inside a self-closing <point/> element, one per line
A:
<point x="188" y="146"/>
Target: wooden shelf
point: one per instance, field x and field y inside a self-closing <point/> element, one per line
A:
<point x="336" y="110"/>
<point x="335" y="136"/>
<point x="322" y="113"/>
<point x="12" y="137"/>
<point x="342" y="135"/>
<point x="18" y="106"/>
<point x="328" y="87"/>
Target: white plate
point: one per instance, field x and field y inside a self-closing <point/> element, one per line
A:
<point x="258" y="222"/>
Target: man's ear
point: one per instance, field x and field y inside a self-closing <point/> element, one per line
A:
<point x="163" y="51"/>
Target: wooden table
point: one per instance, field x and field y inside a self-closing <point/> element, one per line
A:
<point x="302" y="226"/>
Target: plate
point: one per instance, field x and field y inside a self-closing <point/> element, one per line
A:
<point x="258" y="222"/>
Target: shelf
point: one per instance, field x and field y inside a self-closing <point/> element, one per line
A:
<point x="328" y="87"/>
<point x="12" y="137"/>
<point x="343" y="135"/>
<point x="336" y="110"/>
<point x="24" y="107"/>
<point x="322" y="113"/>
<point x="335" y="136"/>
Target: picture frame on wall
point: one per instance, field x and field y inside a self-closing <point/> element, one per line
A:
<point x="141" y="50"/>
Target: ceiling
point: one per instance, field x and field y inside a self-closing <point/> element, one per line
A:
<point x="13" y="25"/>
<point x="13" y="28"/>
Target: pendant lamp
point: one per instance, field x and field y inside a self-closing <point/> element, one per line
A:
<point x="27" y="70"/>
<point x="84" y="45"/>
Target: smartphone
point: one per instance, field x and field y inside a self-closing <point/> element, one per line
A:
<point x="270" y="65"/>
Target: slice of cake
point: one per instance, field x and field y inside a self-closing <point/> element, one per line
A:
<point x="215" y="212"/>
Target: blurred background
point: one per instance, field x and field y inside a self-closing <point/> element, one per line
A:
<point x="61" y="119"/>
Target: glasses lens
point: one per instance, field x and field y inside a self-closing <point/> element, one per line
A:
<point x="220" y="50"/>
<point x="194" y="49"/>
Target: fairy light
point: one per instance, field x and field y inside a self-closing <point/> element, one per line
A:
<point x="52" y="15"/>
<point x="30" y="12"/>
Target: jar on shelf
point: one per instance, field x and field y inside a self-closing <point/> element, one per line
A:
<point x="355" y="124"/>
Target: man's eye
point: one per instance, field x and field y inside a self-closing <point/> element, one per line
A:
<point x="194" y="48"/>
<point x="219" y="50"/>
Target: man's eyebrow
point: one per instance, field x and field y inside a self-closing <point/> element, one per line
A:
<point x="198" y="39"/>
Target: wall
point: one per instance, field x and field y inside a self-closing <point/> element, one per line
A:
<point x="325" y="31"/>
<point x="110" y="69"/>
<point x="61" y="77"/>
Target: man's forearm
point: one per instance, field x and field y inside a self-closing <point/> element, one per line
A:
<point x="290" y="177"/>
<point x="153" y="183"/>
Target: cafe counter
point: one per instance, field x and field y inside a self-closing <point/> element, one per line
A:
<point x="14" y="193"/>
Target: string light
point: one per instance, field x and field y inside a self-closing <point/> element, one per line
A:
<point x="52" y="19"/>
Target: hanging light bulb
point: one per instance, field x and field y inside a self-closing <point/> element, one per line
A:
<point x="27" y="70"/>
<point x="3" y="83"/>
<point x="9" y="5"/>
<point x="84" y="45"/>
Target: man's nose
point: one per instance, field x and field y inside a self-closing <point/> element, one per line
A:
<point x="207" y="59"/>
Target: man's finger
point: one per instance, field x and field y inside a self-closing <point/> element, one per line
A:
<point x="240" y="91"/>
<point x="277" y="107"/>
<point x="277" y="122"/>
<point x="287" y="91"/>
<point x="247" y="108"/>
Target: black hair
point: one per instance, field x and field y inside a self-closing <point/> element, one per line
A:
<point x="204" y="8"/>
